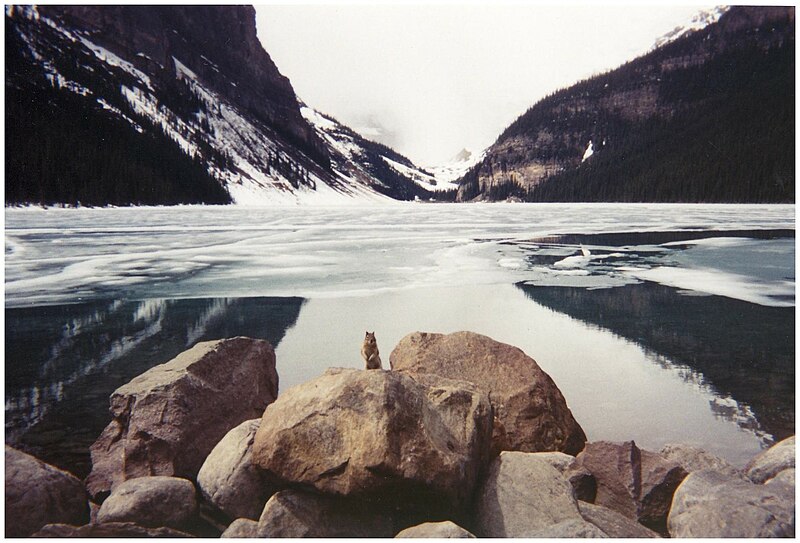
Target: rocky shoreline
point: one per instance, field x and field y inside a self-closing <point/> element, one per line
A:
<point x="463" y="437"/>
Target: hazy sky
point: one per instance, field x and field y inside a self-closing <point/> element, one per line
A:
<point x="439" y="77"/>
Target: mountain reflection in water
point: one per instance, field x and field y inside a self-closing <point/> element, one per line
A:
<point x="75" y="356"/>
<point x="741" y="350"/>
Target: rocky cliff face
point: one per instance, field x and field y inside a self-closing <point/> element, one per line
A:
<point x="630" y="115"/>
<point x="145" y="94"/>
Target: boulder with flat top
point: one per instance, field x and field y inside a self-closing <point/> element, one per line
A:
<point x="417" y="442"/>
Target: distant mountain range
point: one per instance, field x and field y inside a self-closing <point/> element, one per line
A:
<point x="174" y="104"/>
<point x="708" y="116"/>
<point x="119" y="105"/>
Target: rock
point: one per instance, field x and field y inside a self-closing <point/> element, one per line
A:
<point x="151" y="501"/>
<point x="295" y="513"/>
<point x="108" y="529"/>
<point x="572" y="528"/>
<point x="38" y="494"/>
<point x="582" y="481"/>
<point x="379" y="433"/>
<point x="637" y="484"/>
<point x="522" y="495"/>
<point x="527" y="402"/>
<point x="229" y="480"/>
<point x="612" y="523"/>
<point x="241" y="528"/>
<point x="694" y="459"/>
<point x="771" y="462"/>
<point x="438" y="530"/>
<point x="785" y="477"/>
<point x="711" y="504"/>
<point x="659" y="479"/>
<point x="167" y="420"/>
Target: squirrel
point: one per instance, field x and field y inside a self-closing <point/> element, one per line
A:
<point x="369" y="350"/>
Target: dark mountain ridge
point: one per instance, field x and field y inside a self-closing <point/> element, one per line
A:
<point x="169" y="104"/>
<point x="707" y="117"/>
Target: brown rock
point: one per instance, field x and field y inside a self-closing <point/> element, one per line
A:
<point x="108" y="529"/>
<point x="241" y="528"/>
<point x="295" y="513"/>
<point x="438" y="530"/>
<point x="527" y="402"/>
<point x="612" y="523"/>
<point x="167" y="420"/>
<point x="637" y="484"/>
<point x="381" y="433"/>
<point x="582" y="481"/>
<point x="694" y="459"/>
<point x="38" y="494"/>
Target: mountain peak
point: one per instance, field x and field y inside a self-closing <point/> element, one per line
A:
<point x="699" y="21"/>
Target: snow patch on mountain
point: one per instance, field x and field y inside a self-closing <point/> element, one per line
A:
<point x="446" y="174"/>
<point x="698" y="22"/>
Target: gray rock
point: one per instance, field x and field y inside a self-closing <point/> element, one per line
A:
<point x="637" y="484"/>
<point x="379" y="433"/>
<point x="241" y="528"/>
<point x="521" y="496"/>
<point x="530" y="409"/>
<point x="151" y="501"/>
<point x="710" y="504"/>
<point x="438" y="530"/>
<point x="785" y="477"/>
<point x="167" y="420"/>
<point x="582" y="481"/>
<point x="572" y="528"/>
<point x="228" y="478"/>
<point x="38" y="494"/>
<point x="694" y="459"/>
<point x="612" y="523"/>
<point x="294" y="513"/>
<point x="107" y="530"/>
<point x="771" y="462"/>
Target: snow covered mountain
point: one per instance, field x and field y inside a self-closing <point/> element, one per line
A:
<point x="699" y="21"/>
<point x="173" y="104"/>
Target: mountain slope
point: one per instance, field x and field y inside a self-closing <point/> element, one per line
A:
<point x="709" y="116"/>
<point x="163" y="105"/>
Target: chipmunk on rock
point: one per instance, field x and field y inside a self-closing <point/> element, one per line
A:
<point x="369" y="350"/>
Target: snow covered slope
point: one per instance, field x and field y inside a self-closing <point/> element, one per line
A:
<point x="159" y="69"/>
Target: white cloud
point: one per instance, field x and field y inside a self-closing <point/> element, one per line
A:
<point x="445" y="76"/>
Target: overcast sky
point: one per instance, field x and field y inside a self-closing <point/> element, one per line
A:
<point x="440" y="77"/>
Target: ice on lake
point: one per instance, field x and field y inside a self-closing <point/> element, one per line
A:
<point x="621" y="327"/>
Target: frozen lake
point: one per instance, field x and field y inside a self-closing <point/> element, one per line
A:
<point x="659" y="323"/>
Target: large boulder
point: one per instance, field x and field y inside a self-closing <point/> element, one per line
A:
<point x="167" y="420"/>
<point x="637" y="484"/>
<point x="151" y="501"/>
<point x="711" y="504"/>
<point x="570" y="529"/>
<point x="410" y="441"/>
<point x="614" y="524"/>
<point x="228" y="478"/>
<point x="38" y="494"/>
<point x="437" y="530"/>
<point x="694" y="459"/>
<point x="521" y="496"/>
<point x="108" y="530"/>
<point x="296" y="513"/>
<point x="532" y="411"/>
<point x="771" y="462"/>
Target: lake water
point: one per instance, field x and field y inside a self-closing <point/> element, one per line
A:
<point x="659" y="323"/>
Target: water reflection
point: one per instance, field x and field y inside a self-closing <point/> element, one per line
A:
<point x="743" y="352"/>
<point x="63" y="362"/>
